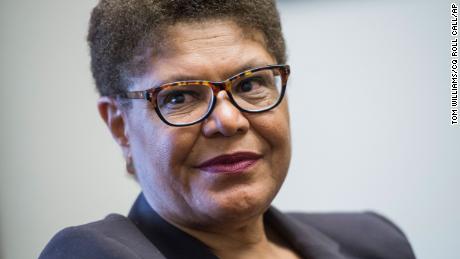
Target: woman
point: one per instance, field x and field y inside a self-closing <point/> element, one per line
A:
<point x="193" y="92"/>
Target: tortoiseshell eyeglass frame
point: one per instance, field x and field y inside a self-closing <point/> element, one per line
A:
<point x="226" y="85"/>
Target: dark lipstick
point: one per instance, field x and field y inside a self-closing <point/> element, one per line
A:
<point x="232" y="163"/>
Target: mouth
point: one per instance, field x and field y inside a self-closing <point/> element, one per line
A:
<point x="237" y="162"/>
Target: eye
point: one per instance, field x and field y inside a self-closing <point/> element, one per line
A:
<point x="246" y="86"/>
<point x="250" y="84"/>
<point x="175" y="98"/>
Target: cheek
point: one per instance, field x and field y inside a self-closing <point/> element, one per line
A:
<point x="159" y="153"/>
<point x="274" y="128"/>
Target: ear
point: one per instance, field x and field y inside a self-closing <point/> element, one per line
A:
<point x="114" y="117"/>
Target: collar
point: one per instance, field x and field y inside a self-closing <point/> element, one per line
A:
<point x="173" y="243"/>
<point x="305" y="239"/>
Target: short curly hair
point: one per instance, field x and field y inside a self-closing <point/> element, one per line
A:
<point x="125" y="34"/>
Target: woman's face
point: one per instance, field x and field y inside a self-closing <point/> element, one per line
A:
<point x="166" y="158"/>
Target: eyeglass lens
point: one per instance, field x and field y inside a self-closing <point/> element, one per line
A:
<point x="185" y="104"/>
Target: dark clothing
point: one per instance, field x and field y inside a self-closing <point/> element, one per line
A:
<point x="144" y="234"/>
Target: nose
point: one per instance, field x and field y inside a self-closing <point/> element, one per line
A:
<point x="225" y="119"/>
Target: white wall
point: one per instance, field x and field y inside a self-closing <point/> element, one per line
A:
<point x="369" y="99"/>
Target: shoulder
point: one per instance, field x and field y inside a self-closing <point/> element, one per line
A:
<point x="113" y="237"/>
<point x="366" y="235"/>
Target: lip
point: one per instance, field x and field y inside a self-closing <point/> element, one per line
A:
<point x="237" y="162"/>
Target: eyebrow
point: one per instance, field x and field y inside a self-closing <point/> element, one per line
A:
<point x="247" y="66"/>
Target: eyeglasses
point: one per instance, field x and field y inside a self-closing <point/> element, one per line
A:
<point x="185" y="103"/>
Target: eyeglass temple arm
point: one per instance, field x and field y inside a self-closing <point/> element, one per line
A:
<point x="134" y="95"/>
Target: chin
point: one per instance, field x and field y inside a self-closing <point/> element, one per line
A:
<point x="238" y="204"/>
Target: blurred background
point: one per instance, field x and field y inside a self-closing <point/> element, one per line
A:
<point x="370" y="112"/>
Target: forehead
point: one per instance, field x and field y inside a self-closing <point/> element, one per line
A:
<point x="187" y="36"/>
<point x="210" y="50"/>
